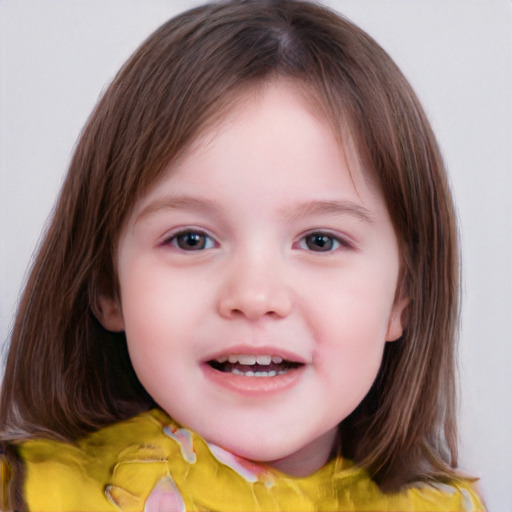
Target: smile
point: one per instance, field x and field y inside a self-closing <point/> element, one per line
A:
<point x="253" y="365"/>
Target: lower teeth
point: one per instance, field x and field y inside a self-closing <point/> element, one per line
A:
<point x="256" y="370"/>
<point x="271" y="373"/>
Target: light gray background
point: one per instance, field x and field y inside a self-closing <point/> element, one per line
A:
<point x="57" y="56"/>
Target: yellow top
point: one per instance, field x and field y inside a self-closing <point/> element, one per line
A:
<point x="149" y="463"/>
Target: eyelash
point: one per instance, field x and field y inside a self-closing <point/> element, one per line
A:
<point x="204" y="241"/>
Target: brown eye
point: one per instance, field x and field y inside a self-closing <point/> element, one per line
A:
<point x="320" y="242"/>
<point x="192" y="241"/>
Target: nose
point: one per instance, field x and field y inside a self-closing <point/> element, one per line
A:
<point x="254" y="291"/>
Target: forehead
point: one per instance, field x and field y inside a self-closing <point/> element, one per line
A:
<point x="271" y="108"/>
<point x="276" y="141"/>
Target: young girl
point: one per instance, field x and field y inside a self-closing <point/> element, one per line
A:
<point x="247" y="297"/>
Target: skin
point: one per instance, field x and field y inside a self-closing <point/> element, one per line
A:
<point x="260" y="241"/>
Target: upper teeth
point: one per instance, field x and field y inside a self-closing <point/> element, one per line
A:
<point x="250" y="360"/>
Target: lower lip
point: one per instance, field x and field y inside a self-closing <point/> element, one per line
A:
<point x="253" y="386"/>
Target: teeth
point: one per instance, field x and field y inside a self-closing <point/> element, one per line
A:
<point x="271" y="373"/>
<point x="264" y="360"/>
<point x="244" y="359"/>
<point x="250" y="365"/>
<point x="250" y="360"/>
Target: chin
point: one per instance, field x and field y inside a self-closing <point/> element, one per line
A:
<point x="264" y="456"/>
<point x="254" y="449"/>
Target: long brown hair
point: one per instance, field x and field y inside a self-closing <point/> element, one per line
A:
<point x="66" y="375"/>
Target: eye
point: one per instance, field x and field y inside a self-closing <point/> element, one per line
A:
<point x="191" y="240"/>
<point x="321" y="242"/>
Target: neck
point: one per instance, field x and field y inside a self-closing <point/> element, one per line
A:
<point x="308" y="459"/>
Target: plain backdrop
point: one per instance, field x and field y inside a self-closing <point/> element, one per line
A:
<point x="56" y="57"/>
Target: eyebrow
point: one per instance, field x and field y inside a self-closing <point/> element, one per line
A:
<point x="297" y="212"/>
<point x="312" y="208"/>
<point x="203" y="205"/>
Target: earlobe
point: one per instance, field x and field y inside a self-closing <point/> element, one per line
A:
<point x="396" y="321"/>
<point x="108" y="312"/>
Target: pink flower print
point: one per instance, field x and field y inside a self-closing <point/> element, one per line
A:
<point x="249" y="470"/>
<point x="165" y="497"/>
<point x="184" y="438"/>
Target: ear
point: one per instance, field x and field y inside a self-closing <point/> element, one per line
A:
<point x="109" y="313"/>
<point x="396" y="319"/>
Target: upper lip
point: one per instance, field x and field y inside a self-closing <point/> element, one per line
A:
<point x="260" y="350"/>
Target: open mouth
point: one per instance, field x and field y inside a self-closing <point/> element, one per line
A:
<point x="254" y="366"/>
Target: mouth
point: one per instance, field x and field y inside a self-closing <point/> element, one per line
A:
<point x="257" y="366"/>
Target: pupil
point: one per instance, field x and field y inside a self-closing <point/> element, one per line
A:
<point x="319" y="242"/>
<point x="191" y="241"/>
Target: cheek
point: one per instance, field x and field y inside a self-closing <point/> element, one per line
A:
<point x="352" y="352"/>
<point x="350" y="326"/>
<point x="152" y="297"/>
<point x="354" y="307"/>
<point x="349" y="364"/>
<point x="147" y="309"/>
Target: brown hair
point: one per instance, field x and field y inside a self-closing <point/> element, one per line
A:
<point x="67" y="376"/>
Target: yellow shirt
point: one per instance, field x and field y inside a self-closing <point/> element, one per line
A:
<point x="150" y="463"/>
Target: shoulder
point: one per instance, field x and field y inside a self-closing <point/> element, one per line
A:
<point x="457" y="495"/>
<point x="75" y="476"/>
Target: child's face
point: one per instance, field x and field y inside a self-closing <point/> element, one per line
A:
<point x="258" y="244"/>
